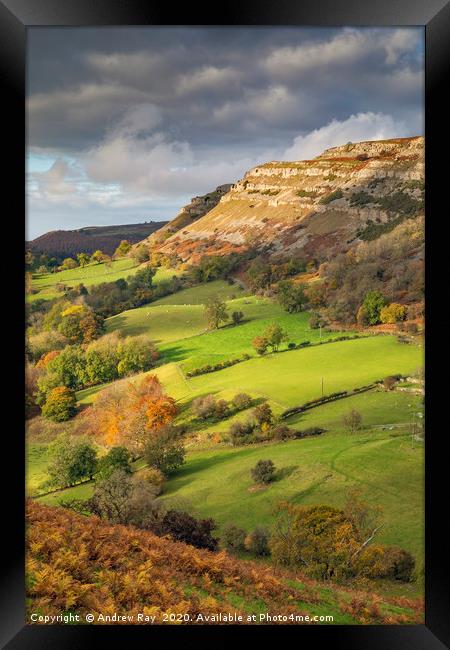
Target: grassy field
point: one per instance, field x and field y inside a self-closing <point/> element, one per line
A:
<point x="381" y="461"/>
<point x="45" y="283"/>
<point x="174" y="317"/>
<point x="217" y="483"/>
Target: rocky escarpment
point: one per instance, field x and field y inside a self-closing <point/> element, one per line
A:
<point x="319" y="206"/>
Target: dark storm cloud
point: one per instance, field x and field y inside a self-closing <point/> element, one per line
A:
<point x="170" y="112"/>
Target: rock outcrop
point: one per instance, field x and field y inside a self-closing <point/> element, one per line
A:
<point x="319" y="206"/>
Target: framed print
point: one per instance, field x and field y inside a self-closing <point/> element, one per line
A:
<point x="234" y="334"/>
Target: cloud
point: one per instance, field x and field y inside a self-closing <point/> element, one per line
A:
<point x="363" y="126"/>
<point x="348" y="48"/>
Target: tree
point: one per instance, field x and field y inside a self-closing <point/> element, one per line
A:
<point x="136" y="354"/>
<point x="83" y="259"/>
<point x="80" y="324"/>
<point x="263" y="472"/>
<point x="241" y="401"/>
<point x="98" y="256"/>
<point x="260" y="343"/>
<point x="263" y="414"/>
<point x="237" y="317"/>
<point x="233" y="538"/>
<point x="122" y="249"/>
<point x="373" y="303"/>
<point x="67" y="264"/>
<point x="275" y="335"/>
<point x="204" y="407"/>
<point x="257" y="541"/>
<point x="102" y="359"/>
<point x="70" y="460"/>
<point x="393" y="313"/>
<point x="215" y="312"/>
<point x="60" y="404"/>
<point x="165" y="453"/>
<point x="291" y="296"/>
<point x="111" y="497"/>
<point x="116" y="458"/>
<point x="68" y="368"/>
<point x="155" y="478"/>
<point x="352" y="421"/>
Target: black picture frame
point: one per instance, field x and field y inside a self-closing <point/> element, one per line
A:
<point x="16" y="16"/>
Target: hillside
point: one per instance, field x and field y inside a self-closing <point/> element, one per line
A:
<point x="189" y="214"/>
<point x="83" y="565"/>
<point x="64" y="243"/>
<point x="315" y="208"/>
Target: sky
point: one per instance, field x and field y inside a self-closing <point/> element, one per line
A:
<point x="126" y="125"/>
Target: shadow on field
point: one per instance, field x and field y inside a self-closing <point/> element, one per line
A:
<point x="284" y="472"/>
<point x="183" y="475"/>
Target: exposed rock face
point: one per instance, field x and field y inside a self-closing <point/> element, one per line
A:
<point x="318" y="206"/>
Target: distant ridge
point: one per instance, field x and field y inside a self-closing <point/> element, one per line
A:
<point x="66" y="243"/>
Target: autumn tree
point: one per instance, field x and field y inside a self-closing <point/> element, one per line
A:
<point x="80" y="324"/>
<point x="263" y="414"/>
<point x="260" y="344"/>
<point x="275" y="335"/>
<point x="123" y="248"/>
<point x="136" y="354"/>
<point x="60" y="404"/>
<point x="215" y="312"/>
<point x="393" y="313"/>
<point x="98" y="256"/>
<point x="67" y="264"/>
<point x="83" y="259"/>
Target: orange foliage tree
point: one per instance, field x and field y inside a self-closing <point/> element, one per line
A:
<point x="132" y="413"/>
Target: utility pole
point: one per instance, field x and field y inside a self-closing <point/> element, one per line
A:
<point x="322" y="386"/>
<point x="320" y="330"/>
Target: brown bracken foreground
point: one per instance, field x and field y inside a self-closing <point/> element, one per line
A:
<point x="81" y="565"/>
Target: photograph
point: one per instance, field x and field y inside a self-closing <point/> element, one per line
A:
<point x="225" y="321"/>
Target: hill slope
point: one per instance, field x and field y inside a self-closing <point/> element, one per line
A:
<point x="190" y="213"/>
<point x="139" y="573"/>
<point x="319" y="207"/>
<point x="63" y="243"/>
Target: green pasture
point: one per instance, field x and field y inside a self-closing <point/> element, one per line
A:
<point x="90" y="275"/>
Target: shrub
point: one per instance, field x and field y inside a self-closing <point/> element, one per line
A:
<point x="393" y="313"/>
<point x="182" y="527"/>
<point x="233" y="537"/>
<point x="204" y="407"/>
<point x="241" y="401"/>
<point x="380" y="561"/>
<point x="263" y="414"/>
<point x="155" y="478"/>
<point x="292" y="346"/>
<point x="282" y="432"/>
<point x="263" y="472"/>
<point x="389" y="382"/>
<point x="257" y="541"/>
<point x="60" y="404"/>
<point x="260" y="343"/>
<point x="352" y="420"/>
<point x="411" y="328"/>
<point x="332" y="196"/>
<point x="240" y="431"/>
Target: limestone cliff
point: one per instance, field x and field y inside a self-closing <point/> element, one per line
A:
<point x="319" y="206"/>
